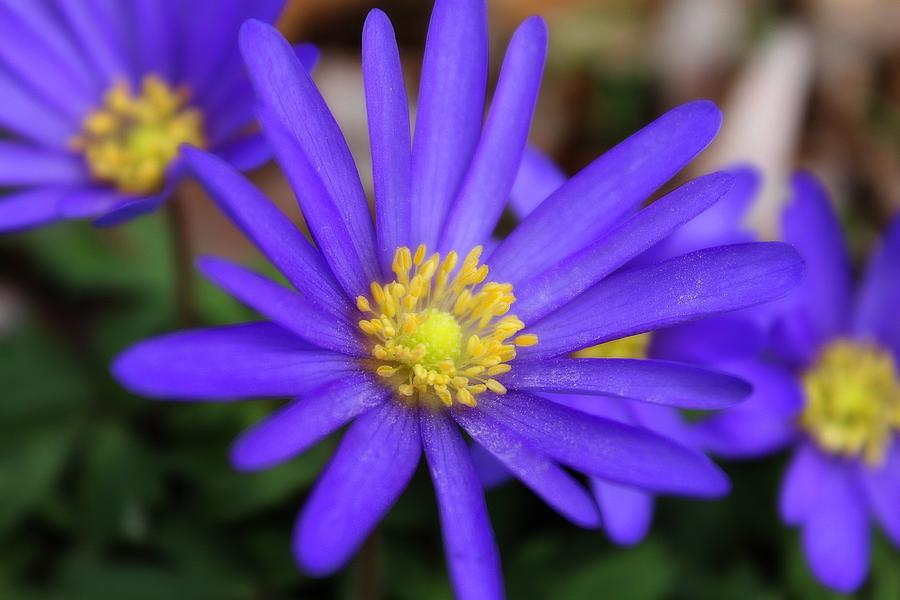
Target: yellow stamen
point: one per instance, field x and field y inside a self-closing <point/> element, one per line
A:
<point x="131" y="140"/>
<point x="440" y="339"/>
<point x="634" y="346"/>
<point x="853" y="401"/>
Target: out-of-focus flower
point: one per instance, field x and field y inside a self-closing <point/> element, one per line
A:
<point x="100" y="97"/>
<point x="829" y="388"/>
<point x="626" y="511"/>
<point x="402" y="327"/>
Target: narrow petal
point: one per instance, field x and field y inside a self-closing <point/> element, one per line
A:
<point x="303" y="423"/>
<point x="592" y="201"/>
<point x="676" y="291"/>
<point x="544" y="292"/>
<point x="227" y="363"/>
<point x="836" y="533"/>
<point x="469" y="545"/>
<point x="544" y="477"/>
<point x="449" y="116"/>
<point x="387" y="108"/>
<point x="765" y="423"/>
<point x="880" y="293"/>
<point x="130" y="208"/>
<point x="654" y="381"/>
<point x="802" y="484"/>
<point x="287" y="91"/>
<point x="154" y="36"/>
<point x="22" y="165"/>
<point x="626" y="512"/>
<point x="32" y="208"/>
<point x="537" y="179"/>
<point x="811" y="226"/>
<point x="89" y="202"/>
<point x="246" y="153"/>
<point x="286" y="307"/>
<point x="606" y="449"/>
<point x="477" y="209"/>
<point x="208" y="41"/>
<point x="27" y="115"/>
<point x="94" y="29"/>
<point x="724" y="337"/>
<point x="270" y="230"/>
<point x="882" y="486"/>
<point x="369" y="471"/>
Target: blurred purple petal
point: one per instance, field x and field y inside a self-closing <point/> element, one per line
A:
<point x="23" y="164"/>
<point x="449" y="117"/>
<point x="802" y="483"/>
<point x="469" y="545"/>
<point x="882" y="486"/>
<point x="227" y="363"/>
<point x="544" y="477"/>
<point x="31" y="208"/>
<point x="710" y="340"/>
<point x="27" y="115"/>
<point x="97" y="34"/>
<point x="304" y="422"/>
<point x="89" y="202"/>
<point x="369" y="471"/>
<point x="247" y="153"/>
<point x="592" y="201"/>
<point x="538" y="177"/>
<point x="876" y="313"/>
<point x="477" y="208"/>
<point x="626" y="512"/>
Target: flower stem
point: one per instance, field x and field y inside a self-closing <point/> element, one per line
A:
<point x="183" y="259"/>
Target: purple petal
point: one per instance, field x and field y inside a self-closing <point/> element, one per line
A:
<point x="208" y="41"/>
<point x="802" y="484"/>
<point x="654" y="381"/>
<point x="606" y="449"/>
<point x="131" y="208"/>
<point x="763" y="424"/>
<point x="284" y="306"/>
<point x="491" y="471"/>
<point x="485" y="189"/>
<point x="451" y="105"/>
<point x="89" y="202"/>
<point x="882" y="486"/>
<point x="227" y="363"/>
<point x="676" y="291"/>
<point x="811" y="225"/>
<point x="591" y="202"/>
<point x="154" y="36"/>
<point x="626" y="512"/>
<point x="880" y="293"/>
<point x="22" y="165"/>
<point x="538" y="177"/>
<point x="31" y="208"/>
<point x="544" y="477"/>
<point x="303" y="423"/>
<point x="544" y="292"/>
<point x="369" y="471"/>
<point x="724" y="337"/>
<point x="836" y="533"/>
<point x="289" y="95"/>
<point x="247" y="153"/>
<point x="25" y="114"/>
<point x="94" y="30"/>
<point x="468" y="539"/>
<point x="269" y="229"/>
<point x="387" y="108"/>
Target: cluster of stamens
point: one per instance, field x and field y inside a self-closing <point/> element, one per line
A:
<point x="131" y="140"/>
<point x="853" y="401"/>
<point x="442" y="333"/>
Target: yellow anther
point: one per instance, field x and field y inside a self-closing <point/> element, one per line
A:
<point x="131" y="140"/>
<point x="437" y="340"/>
<point x="634" y="346"/>
<point x="525" y="340"/>
<point x="853" y="401"/>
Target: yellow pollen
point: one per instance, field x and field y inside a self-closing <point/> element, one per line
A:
<point x="634" y="346"/>
<point x="131" y="140"/>
<point x="853" y="401"/>
<point x="441" y="334"/>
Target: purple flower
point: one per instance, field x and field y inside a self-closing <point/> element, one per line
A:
<point x="100" y="97"/>
<point x="627" y="511"/>
<point x="408" y="345"/>
<point x="829" y="388"/>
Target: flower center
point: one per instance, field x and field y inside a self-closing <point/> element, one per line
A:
<point x="131" y="140"/>
<point x="634" y="346"/>
<point x="853" y="401"/>
<point x="437" y="338"/>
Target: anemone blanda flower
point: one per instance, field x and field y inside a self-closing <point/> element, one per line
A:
<point x="408" y="345"/>
<point x="828" y="387"/>
<point x="627" y="511"/>
<point x="100" y="96"/>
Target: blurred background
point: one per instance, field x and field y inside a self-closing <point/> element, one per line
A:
<point x="105" y="495"/>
